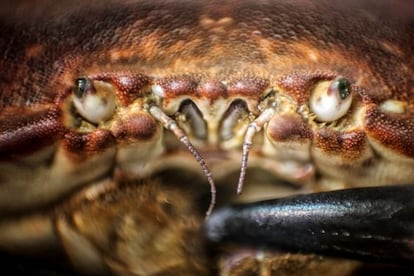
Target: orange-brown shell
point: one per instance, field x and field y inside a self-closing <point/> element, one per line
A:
<point x="192" y="47"/>
<point x="42" y="53"/>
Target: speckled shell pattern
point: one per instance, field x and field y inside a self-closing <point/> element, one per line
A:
<point x="210" y="40"/>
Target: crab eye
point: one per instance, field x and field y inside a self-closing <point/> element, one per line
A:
<point x="330" y="100"/>
<point x="343" y="87"/>
<point x="94" y="100"/>
<point x="81" y="86"/>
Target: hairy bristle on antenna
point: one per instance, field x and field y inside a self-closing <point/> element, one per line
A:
<point x="172" y="125"/>
<point x="253" y="128"/>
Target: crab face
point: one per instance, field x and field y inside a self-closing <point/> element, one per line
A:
<point x="112" y="116"/>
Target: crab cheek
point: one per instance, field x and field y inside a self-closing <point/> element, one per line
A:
<point x="391" y="134"/>
<point x="348" y="153"/>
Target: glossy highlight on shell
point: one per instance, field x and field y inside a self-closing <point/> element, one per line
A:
<point x="115" y="113"/>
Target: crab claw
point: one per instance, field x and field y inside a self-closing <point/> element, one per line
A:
<point x="372" y="224"/>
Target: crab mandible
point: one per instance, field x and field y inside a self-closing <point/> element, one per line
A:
<point x="96" y="102"/>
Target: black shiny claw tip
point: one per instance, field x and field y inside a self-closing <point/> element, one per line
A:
<point x="364" y="223"/>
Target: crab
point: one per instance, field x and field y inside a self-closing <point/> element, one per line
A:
<point x="116" y="117"/>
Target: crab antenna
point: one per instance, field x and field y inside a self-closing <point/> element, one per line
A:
<point x="253" y="128"/>
<point x="172" y="125"/>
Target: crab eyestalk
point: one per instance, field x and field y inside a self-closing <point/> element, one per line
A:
<point x="94" y="100"/>
<point x="331" y="100"/>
